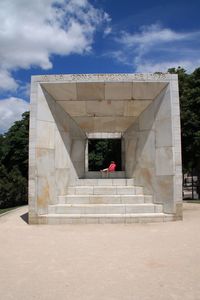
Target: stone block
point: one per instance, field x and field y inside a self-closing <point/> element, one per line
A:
<point x="90" y="91"/>
<point x="164" y="161"/>
<point x="135" y="107"/>
<point x="105" y="182"/>
<point x="163" y="133"/>
<point x="179" y="211"/>
<point x="145" y="176"/>
<point x="125" y="190"/>
<point x="74" y="108"/>
<point x="104" y="190"/>
<point x="62" y="178"/>
<point x="62" y="153"/>
<point x="164" y="192"/>
<point x="86" y="123"/>
<point x="105" y="199"/>
<point x="148" y="199"/>
<point x="45" y="162"/>
<point x="138" y="190"/>
<point x="83" y="182"/>
<point x="78" y="169"/>
<point x="146" y="119"/>
<point x="119" y="182"/>
<point x="45" y="107"/>
<point x="147" y="90"/>
<point x="158" y="208"/>
<point x="70" y="190"/>
<point x="45" y="135"/>
<point x="45" y="192"/>
<point x="139" y="208"/>
<point x="177" y="157"/>
<point x="145" y="149"/>
<point x="162" y="106"/>
<point x="118" y="90"/>
<point x="132" y="199"/>
<point x="61" y="91"/>
<point x="32" y="188"/>
<point x="104" y="108"/>
<point x="78" y="150"/>
<point x="123" y="123"/>
<point x="84" y="190"/>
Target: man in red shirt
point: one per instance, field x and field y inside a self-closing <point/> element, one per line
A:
<point x="110" y="169"/>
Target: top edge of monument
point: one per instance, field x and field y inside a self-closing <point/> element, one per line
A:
<point x="112" y="77"/>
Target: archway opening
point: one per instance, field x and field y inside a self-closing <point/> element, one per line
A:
<point x="102" y="151"/>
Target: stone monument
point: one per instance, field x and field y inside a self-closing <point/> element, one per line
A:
<point x="140" y="109"/>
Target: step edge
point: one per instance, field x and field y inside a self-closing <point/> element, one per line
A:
<point x="102" y="204"/>
<point x="107" y="215"/>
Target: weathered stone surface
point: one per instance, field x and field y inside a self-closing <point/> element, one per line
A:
<point x="164" y="161"/>
<point x="62" y="153"/>
<point x="105" y="108"/>
<point x="61" y="91"/>
<point x="43" y="111"/>
<point x="164" y="192"/>
<point x="163" y="133"/>
<point x="45" y="161"/>
<point x="118" y="90"/>
<point x="147" y="118"/>
<point x="45" y="135"/>
<point x="142" y="109"/>
<point x="147" y="90"/>
<point x="90" y="91"/>
<point x="74" y="108"/>
<point x="136" y="107"/>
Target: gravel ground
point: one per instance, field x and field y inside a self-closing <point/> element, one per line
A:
<point x="157" y="261"/>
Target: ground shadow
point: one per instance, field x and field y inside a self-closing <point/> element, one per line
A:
<point x="24" y="217"/>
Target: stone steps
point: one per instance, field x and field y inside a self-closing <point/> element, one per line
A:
<point x="104" y="190"/>
<point x="110" y="200"/>
<point x="104" y="199"/>
<point x="104" y="208"/>
<point x="105" y="182"/>
<point x="105" y="219"/>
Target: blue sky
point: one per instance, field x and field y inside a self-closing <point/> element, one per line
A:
<point x="91" y="36"/>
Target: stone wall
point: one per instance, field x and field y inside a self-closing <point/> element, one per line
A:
<point x="67" y="109"/>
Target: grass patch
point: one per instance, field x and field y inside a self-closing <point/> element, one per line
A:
<point x="192" y="201"/>
<point x="3" y="210"/>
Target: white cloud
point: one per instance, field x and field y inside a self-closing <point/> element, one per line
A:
<point x="155" y="48"/>
<point x="150" y="35"/>
<point x="150" y="67"/>
<point x="11" y="110"/>
<point x="31" y="31"/>
<point x="6" y="81"/>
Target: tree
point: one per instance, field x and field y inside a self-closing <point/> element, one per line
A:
<point x="14" y="164"/>
<point x="189" y="90"/>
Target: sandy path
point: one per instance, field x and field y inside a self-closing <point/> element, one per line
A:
<point x="100" y="262"/>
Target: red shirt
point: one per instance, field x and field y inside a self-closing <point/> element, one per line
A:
<point x="112" y="168"/>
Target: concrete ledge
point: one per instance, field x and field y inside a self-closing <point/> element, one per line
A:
<point x="94" y="174"/>
<point x="52" y="219"/>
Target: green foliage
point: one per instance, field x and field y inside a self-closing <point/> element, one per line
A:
<point x="14" y="164"/>
<point x="189" y="90"/>
<point x="102" y="152"/>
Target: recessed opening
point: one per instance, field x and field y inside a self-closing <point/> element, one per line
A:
<point x="102" y="151"/>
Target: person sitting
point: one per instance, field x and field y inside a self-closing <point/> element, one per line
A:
<point x="110" y="169"/>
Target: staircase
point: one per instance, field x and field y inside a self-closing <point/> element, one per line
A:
<point x="109" y="200"/>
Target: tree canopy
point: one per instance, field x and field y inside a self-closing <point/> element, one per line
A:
<point x="14" y="164"/>
<point x="189" y="92"/>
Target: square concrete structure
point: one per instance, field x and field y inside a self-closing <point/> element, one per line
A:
<point x="67" y="110"/>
